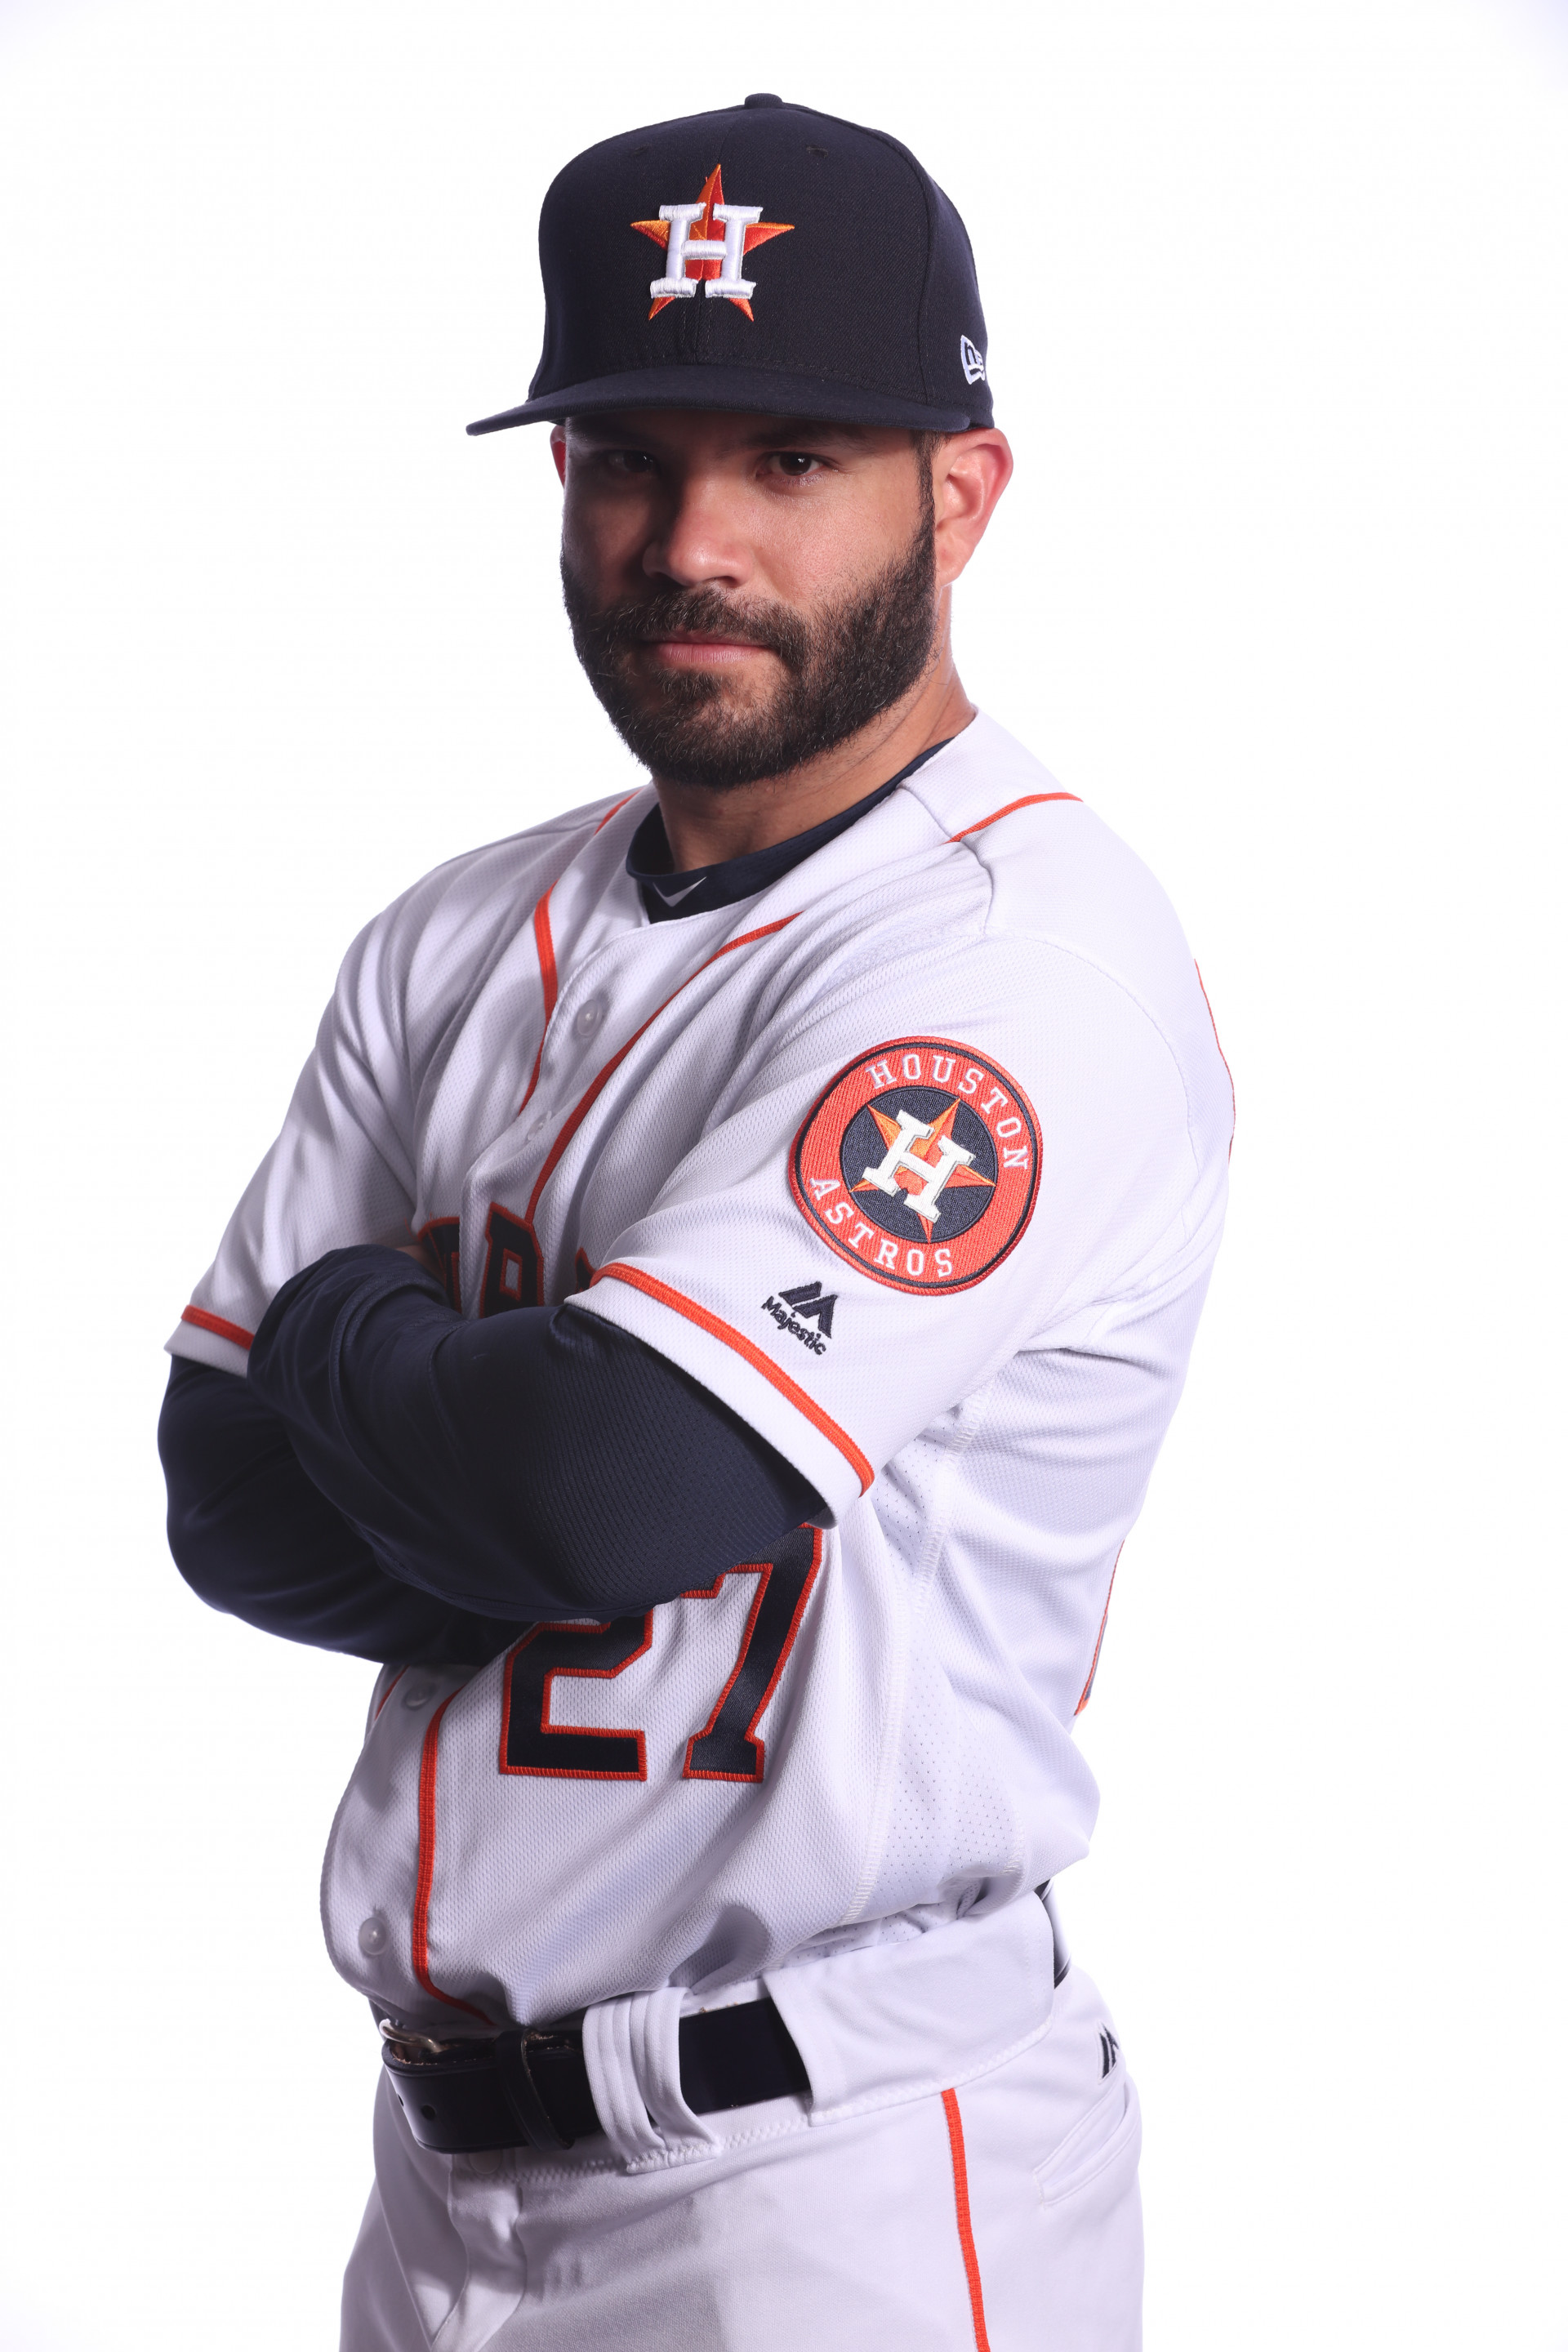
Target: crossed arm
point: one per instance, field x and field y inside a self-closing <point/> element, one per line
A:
<point x="396" y="1481"/>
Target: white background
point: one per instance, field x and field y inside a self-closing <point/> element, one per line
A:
<point x="1279" y="310"/>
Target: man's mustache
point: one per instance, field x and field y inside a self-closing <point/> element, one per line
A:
<point x="632" y="622"/>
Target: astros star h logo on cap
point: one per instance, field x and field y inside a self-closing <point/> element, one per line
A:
<point x="693" y="252"/>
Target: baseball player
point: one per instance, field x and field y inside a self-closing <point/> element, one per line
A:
<point x="705" y="1328"/>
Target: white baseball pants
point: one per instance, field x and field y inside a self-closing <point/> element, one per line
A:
<point x="1001" y="2217"/>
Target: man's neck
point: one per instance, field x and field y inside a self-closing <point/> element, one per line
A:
<point x="705" y="828"/>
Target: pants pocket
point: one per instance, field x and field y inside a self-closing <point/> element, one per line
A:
<point x="1089" y="2222"/>
<point x="1110" y="2134"/>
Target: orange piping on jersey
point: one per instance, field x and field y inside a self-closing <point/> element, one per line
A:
<point x="650" y="1285"/>
<point x="545" y="942"/>
<point x="966" y="2230"/>
<point x="620" y="805"/>
<point x="574" y="1119"/>
<point x="215" y="1324"/>
<point x="386" y="1694"/>
<point x="1214" y="1025"/>
<point x="420" y="1951"/>
<point x="1094" y="1662"/>
<point x="1030" y="800"/>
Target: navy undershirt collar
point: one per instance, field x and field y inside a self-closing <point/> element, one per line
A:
<point x="668" y="897"/>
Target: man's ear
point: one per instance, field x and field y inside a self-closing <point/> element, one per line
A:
<point x="558" y="450"/>
<point x="969" y="473"/>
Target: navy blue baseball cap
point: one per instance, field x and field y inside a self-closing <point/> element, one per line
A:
<point x="764" y="257"/>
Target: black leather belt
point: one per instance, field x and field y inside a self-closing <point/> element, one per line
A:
<point x="529" y="2089"/>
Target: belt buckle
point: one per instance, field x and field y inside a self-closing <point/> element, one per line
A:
<point x="415" y="2049"/>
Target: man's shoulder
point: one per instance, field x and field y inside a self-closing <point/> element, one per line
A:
<point x="1054" y="869"/>
<point x="1058" y="884"/>
<point x="537" y="853"/>
<point x="497" y="885"/>
<point x="417" y="963"/>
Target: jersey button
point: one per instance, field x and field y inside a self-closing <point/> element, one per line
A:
<point x="417" y="1695"/>
<point x="588" y="1017"/>
<point x="372" y="1936"/>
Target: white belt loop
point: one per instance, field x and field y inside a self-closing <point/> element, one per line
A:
<point x="613" y="2079"/>
<point x="632" y="2050"/>
<point x="655" y="2053"/>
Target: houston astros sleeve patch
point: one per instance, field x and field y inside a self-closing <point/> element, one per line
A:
<point x="919" y="1162"/>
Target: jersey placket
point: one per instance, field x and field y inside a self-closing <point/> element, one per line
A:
<point x="575" y="923"/>
<point x="604" y="1005"/>
<point x="585" y="997"/>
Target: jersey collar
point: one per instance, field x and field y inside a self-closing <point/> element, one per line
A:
<point x="667" y="898"/>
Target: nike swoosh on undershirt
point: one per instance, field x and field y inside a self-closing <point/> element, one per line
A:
<point x="674" y="898"/>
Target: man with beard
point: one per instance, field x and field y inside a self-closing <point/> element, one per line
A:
<point x="706" y="1328"/>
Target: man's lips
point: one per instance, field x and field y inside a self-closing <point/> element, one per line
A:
<point x="699" y="650"/>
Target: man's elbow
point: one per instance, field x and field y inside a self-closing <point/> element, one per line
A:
<point x="200" y="1560"/>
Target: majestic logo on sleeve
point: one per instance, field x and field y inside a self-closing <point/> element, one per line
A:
<point x="692" y="252"/>
<point x="795" y="1310"/>
<point x="920" y="1164"/>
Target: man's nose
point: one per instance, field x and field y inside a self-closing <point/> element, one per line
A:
<point x="698" y="542"/>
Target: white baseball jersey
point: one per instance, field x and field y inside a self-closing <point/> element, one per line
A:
<point x="916" y="1160"/>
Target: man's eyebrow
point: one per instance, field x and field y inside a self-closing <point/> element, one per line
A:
<point x="781" y="431"/>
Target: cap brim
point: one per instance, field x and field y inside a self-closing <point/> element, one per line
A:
<point x="762" y="391"/>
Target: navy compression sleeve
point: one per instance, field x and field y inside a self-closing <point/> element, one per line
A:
<point x="531" y="1463"/>
<point x="253" y="1536"/>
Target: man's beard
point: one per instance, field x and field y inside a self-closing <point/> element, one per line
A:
<point x="842" y="668"/>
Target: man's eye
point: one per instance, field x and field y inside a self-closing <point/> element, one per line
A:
<point x="629" y="461"/>
<point x="795" y="464"/>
